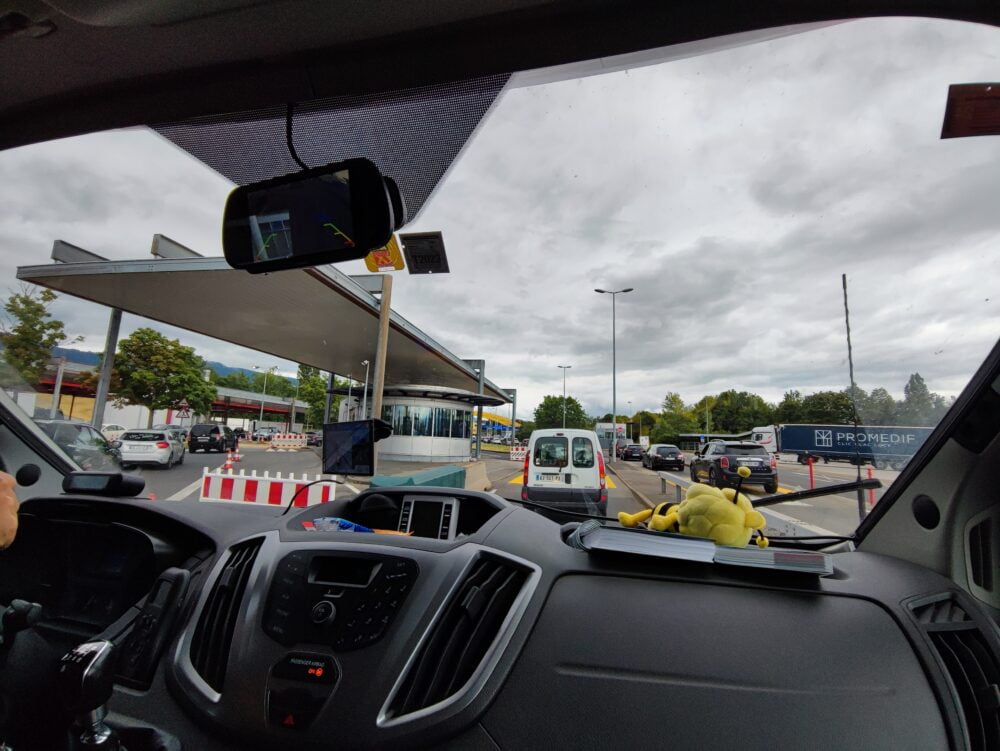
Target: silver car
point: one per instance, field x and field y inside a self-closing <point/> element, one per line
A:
<point x="159" y="447"/>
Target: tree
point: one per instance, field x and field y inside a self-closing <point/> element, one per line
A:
<point x="157" y="373"/>
<point x="789" y="409"/>
<point x="549" y="414"/>
<point x="702" y="412"/>
<point x="525" y="428"/>
<point x="676" y="418"/>
<point x="312" y="390"/>
<point x="881" y="408"/>
<point x="739" y="411"/>
<point x="238" y="379"/>
<point x="918" y="402"/>
<point x="29" y="333"/>
<point x="832" y="407"/>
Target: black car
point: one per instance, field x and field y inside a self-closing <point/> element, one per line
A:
<point x="663" y="456"/>
<point x="718" y="463"/>
<point x="632" y="452"/>
<point x="211" y="437"/>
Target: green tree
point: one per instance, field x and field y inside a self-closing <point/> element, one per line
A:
<point x="739" y="411"/>
<point x="549" y="414"/>
<point x="918" y="403"/>
<point x="157" y="373"/>
<point x="880" y="409"/>
<point x="238" y="379"/>
<point x="30" y="333"/>
<point x="674" y="419"/>
<point x="525" y="428"/>
<point x="312" y="390"/>
<point x="789" y="409"/>
<point x="828" y="407"/>
<point x="702" y="412"/>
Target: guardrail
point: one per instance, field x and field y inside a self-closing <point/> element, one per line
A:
<point x="227" y="487"/>
<point x="668" y="479"/>
<point x="287" y="442"/>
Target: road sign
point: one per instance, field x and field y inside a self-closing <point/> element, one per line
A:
<point x="388" y="257"/>
<point x="183" y="408"/>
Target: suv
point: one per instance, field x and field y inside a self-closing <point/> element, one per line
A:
<point x="718" y="463"/>
<point x="211" y="437"/>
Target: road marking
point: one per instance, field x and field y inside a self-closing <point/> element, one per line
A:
<point x="184" y="492"/>
<point x="351" y="487"/>
<point x="799" y="523"/>
<point x="517" y="480"/>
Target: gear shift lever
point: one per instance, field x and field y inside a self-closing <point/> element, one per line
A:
<point x="86" y="680"/>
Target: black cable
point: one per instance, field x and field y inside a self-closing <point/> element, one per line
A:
<point x="295" y="495"/>
<point x="288" y="137"/>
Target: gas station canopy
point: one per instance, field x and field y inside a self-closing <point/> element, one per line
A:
<point x="319" y="317"/>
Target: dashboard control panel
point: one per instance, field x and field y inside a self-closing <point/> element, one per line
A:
<point x="343" y="600"/>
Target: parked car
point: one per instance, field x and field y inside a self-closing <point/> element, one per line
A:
<point x="719" y="460"/>
<point x="162" y="448"/>
<point x="632" y="452"/>
<point x="314" y="439"/>
<point x="211" y="437"/>
<point x="663" y="456"/>
<point x="265" y="433"/>
<point x="112" y="431"/>
<point x="240" y="433"/>
<point x="565" y="469"/>
<point x="82" y="443"/>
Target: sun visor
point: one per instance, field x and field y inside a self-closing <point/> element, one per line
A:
<point x="412" y="135"/>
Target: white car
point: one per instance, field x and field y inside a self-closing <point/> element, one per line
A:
<point x="113" y="431"/>
<point x="565" y="468"/>
<point x="157" y="447"/>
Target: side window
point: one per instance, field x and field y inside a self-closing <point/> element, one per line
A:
<point x="215" y="431"/>
<point x="583" y="453"/>
<point x="551" y="452"/>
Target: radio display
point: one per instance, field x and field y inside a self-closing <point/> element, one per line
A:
<point x="346" y="572"/>
<point x="426" y="518"/>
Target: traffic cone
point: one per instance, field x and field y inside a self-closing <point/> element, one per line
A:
<point x="229" y="460"/>
<point x="236" y="456"/>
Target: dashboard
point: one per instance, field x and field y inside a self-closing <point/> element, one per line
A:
<point x="465" y="621"/>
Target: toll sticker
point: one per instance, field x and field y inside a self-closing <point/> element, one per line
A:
<point x="973" y="109"/>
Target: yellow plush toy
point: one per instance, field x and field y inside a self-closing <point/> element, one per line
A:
<point x="722" y="515"/>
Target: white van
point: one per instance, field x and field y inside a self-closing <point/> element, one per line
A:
<point x="565" y="468"/>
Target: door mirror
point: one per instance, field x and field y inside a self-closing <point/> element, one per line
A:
<point x="329" y="214"/>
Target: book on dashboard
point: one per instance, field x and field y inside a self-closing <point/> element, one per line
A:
<point x="682" y="547"/>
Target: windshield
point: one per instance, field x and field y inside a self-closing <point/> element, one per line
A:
<point x="665" y="252"/>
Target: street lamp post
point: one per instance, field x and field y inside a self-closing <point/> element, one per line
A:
<point x="564" y="369"/>
<point x="364" y="394"/>
<point x="631" y="432"/>
<point x="614" y="384"/>
<point x="263" y="394"/>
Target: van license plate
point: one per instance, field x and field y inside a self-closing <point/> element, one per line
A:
<point x="555" y="477"/>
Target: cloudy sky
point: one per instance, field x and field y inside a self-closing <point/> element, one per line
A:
<point x="730" y="190"/>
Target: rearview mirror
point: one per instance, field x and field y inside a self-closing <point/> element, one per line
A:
<point x="329" y="214"/>
<point x="349" y="447"/>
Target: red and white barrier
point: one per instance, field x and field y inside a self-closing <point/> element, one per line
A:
<point x="287" y="442"/>
<point x="265" y="490"/>
<point x="517" y="453"/>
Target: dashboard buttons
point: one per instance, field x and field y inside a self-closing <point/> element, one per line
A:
<point x="302" y="606"/>
<point x="323" y="612"/>
<point x="293" y="709"/>
<point x="307" y="668"/>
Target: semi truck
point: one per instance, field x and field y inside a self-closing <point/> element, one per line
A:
<point x="884" y="446"/>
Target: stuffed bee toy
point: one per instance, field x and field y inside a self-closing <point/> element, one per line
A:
<point x="724" y="515"/>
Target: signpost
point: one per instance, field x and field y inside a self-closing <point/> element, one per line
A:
<point x="183" y="409"/>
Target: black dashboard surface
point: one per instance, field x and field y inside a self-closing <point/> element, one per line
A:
<point x="586" y="650"/>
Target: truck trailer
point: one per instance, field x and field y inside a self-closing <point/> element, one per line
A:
<point x="884" y="446"/>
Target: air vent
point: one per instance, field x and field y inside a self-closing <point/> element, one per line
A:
<point x="945" y="610"/>
<point x="975" y="672"/>
<point x="981" y="554"/>
<point x="214" y="634"/>
<point x="462" y="636"/>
